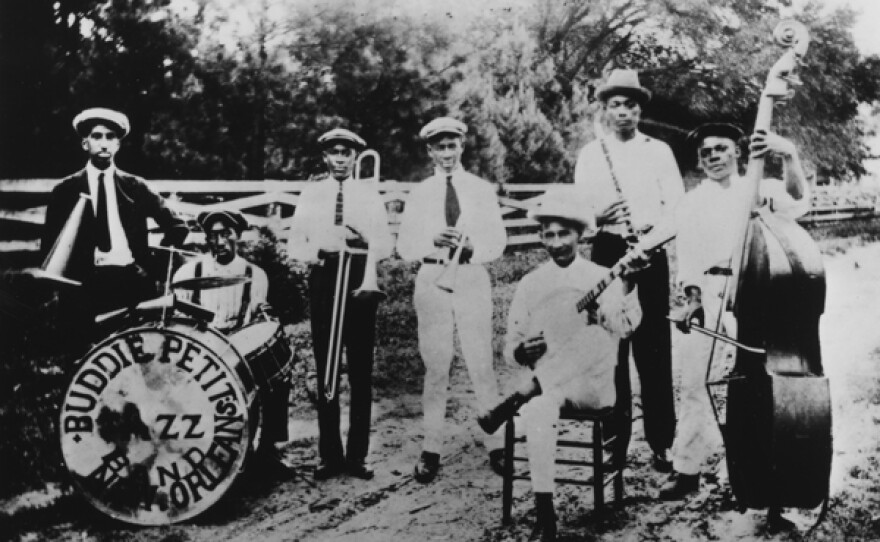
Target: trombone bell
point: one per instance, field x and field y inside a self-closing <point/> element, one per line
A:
<point x="369" y="288"/>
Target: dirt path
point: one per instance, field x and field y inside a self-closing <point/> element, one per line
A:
<point x="463" y="504"/>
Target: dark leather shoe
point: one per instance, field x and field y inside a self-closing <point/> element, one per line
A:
<point x="359" y="470"/>
<point x="272" y="461"/>
<point x="427" y="467"/>
<point x="503" y="411"/>
<point x="496" y="461"/>
<point x="679" y="486"/>
<point x="325" y="471"/>
<point x="661" y="461"/>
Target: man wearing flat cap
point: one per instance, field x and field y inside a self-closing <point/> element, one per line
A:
<point x="235" y="306"/>
<point x="335" y="215"/>
<point x="452" y="215"/>
<point x="634" y="184"/>
<point x="111" y="257"/>
<point x="706" y="225"/>
<point x="577" y="368"/>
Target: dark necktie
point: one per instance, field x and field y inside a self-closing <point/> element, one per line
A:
<point x="452" y="209"/>
<point x="102" y="231"/>
<point x="337" y="221"/>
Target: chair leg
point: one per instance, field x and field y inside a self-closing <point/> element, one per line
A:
<point x="618" y="485"/>
<point x="598" y="466"/>
<point x="507" y="484"/>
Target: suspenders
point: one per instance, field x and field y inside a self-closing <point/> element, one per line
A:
<point x="245" y="297"/>
<point x="245" y="294"/>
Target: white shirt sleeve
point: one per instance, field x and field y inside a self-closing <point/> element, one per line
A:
<point x="380" y="240"/>
<point x="485" y="227"/>
<point x="414" y="240"/>
<point x="671" y="187"/>
<point x="781" y="202"/>
<point x="301" y="243"/>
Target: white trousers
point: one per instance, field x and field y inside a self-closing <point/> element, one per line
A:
<point x="583" y="376"/>
<point x="468" y="309"/>
<point x="540" y="416"/>
<point x="697" y="432"/>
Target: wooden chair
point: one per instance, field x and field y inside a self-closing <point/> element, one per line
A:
<point x="595" y="452"/>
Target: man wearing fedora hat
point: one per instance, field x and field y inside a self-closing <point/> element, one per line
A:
<point x="111" y="257"/>
<point x="633" y="184"/>
<point x="578" y="368"/>
<point x="452" y="215"/>
<point x="335" y="214"/>
<point x="235" y="306"/>
<point x="706" y="234"/>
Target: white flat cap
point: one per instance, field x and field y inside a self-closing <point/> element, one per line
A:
<point x="443" y="125"/>
<point x="89" y="117"/>
<point x="564" y="202"/>
<point x="341" y="135"/>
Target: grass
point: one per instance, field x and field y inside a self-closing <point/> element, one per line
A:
<point x="33" y="374"/>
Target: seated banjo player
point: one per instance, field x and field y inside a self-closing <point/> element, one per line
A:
<point x="572" y="355"/>
<point x="236" y="305"/>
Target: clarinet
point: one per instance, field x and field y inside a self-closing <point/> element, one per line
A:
<point x="631" y="236"/>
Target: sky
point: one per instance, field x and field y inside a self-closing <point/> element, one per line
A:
<point x="865" y="33"/>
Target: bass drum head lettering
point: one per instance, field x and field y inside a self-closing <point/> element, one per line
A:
<point x="156" y="422"/>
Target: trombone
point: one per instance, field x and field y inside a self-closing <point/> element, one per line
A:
<point x="368" y="289"/>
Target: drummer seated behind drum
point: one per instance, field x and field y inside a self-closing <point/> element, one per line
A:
<point x="235" y="306"/>
<point x="579" y="372"/>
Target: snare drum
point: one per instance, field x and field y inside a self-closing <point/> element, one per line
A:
<point x="157" y="421"/>
<point x="267" y="350"/>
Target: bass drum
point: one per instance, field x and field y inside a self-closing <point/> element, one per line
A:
<point x="157" y="422"/>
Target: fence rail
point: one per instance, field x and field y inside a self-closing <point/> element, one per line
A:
<point x="270" y="203"/>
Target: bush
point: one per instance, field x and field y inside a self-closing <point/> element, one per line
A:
<point x="288" y="291"/>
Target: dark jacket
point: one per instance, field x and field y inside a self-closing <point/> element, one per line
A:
<point x="136" y="203"/>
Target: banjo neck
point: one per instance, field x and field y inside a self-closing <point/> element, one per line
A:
<point x="646" y="245"/>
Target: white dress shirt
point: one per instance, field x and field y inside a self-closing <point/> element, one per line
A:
<point x="312" y="227"/>
<point x="707" y="222"/>
<point x="424" y="217"/>
<point x="119" y="253"/>
<point x="648" y="175"/>
<point x="584" y="369"/>
<point x="226" y="302"/>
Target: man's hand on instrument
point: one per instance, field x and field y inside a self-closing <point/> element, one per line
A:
<point x="763" y="143"/>
<point x="449" y="237"/>
<point x="354" y="238"/>
<point x="530" y="351"/>
<point x="616" y="213"/>
<point x="333" y="243"/>
<point x="692" y="312"/>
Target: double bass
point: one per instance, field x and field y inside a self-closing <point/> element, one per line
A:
<point x="777" y="428"/>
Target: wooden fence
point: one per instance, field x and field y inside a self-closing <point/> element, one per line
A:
<point x="271" y="203"/>
<point x="265" y="203"/>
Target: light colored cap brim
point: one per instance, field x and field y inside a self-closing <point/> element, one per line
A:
<point x="443" y="125"/>
<point x="342" y="135"/>
<point x="102" y="115"/>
